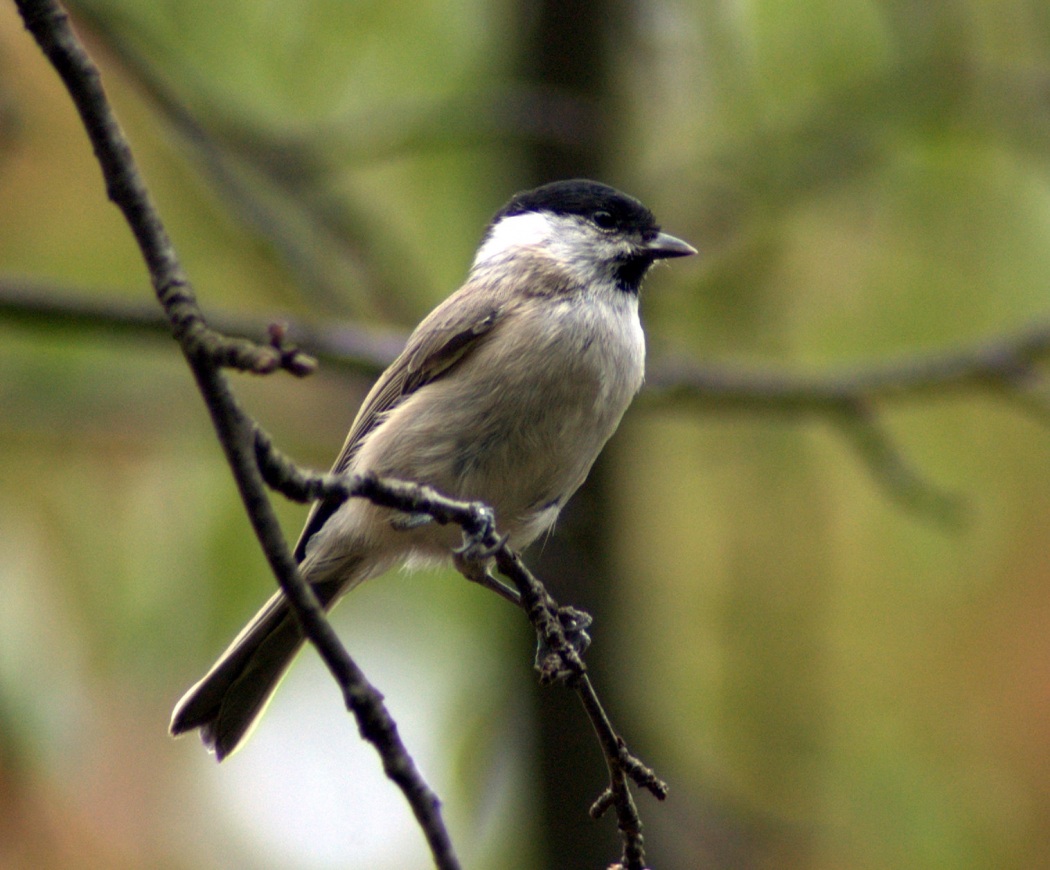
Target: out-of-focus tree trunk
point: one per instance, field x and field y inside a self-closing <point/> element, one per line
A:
<point x="566" y="50"/>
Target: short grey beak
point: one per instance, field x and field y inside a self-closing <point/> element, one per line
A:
<point x="665" y="245"/>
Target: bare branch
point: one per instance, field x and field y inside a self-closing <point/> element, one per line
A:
<point x="1005" y="362"/>
<point x="344" y="345"/>
<point x="559" y="657"/>
<point x="207" y="352"/>
<point x="861" y="427"/>
<point x="1006" y="365"/>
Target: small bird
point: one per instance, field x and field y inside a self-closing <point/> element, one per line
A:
<point x="505" y="394"/>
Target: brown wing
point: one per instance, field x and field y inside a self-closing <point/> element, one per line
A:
<point x="445" y="337"/>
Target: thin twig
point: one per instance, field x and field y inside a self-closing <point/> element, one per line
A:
<point x="207" y="353"/>
<point x="342" y="345"/>
<point x="1006" y="366"/>
<point x="560" y="659"/>
<point x="1003" y="362"/>
<point x="862" y="428"/>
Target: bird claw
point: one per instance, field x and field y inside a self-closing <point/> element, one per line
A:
<point x="474" y="558"/>
<point x="479" y="541"/>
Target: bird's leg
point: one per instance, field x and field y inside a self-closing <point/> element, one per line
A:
<point x="474" y="561"/>
<point x="477" y="567"/>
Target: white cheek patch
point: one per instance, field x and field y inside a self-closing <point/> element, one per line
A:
<point x="530" y="229"/>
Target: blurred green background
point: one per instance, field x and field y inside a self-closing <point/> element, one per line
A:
<point x="828" y="678"/>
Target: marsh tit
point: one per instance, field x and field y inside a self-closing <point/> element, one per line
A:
<point x="504" y="394"/>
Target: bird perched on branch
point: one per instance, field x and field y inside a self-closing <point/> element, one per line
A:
<point x="505" y="394"/>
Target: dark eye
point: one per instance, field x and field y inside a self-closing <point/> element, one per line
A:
<point x="604" y="219"/>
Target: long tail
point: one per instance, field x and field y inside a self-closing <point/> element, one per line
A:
<point x="228" y="700"/>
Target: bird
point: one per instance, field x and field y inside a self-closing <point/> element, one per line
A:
<point x="504" y="394"/>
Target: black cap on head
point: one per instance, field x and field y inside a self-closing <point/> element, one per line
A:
<point x="587" y="199"/>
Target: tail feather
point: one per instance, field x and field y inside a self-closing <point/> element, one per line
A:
<point x="228" y="700"/>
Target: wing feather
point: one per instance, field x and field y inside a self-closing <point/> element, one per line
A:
<point x="447" y="335"/>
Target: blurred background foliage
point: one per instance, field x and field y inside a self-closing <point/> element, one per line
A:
<point x="827" y="678"/>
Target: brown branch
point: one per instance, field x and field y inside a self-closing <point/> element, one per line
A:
<point x="1004" y="362"/>
<point x="559" y="656"/>
<point x="207" y="352"/>
<point x="1007" y="366"/>
<point x="343" y="345"/>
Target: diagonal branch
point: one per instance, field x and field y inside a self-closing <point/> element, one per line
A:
<point x="207" y="352"/>
<point x="559" y="657"/>
<point x="256" y="463"/>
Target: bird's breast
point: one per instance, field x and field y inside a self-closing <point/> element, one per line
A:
<point x="521" y="419"/>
